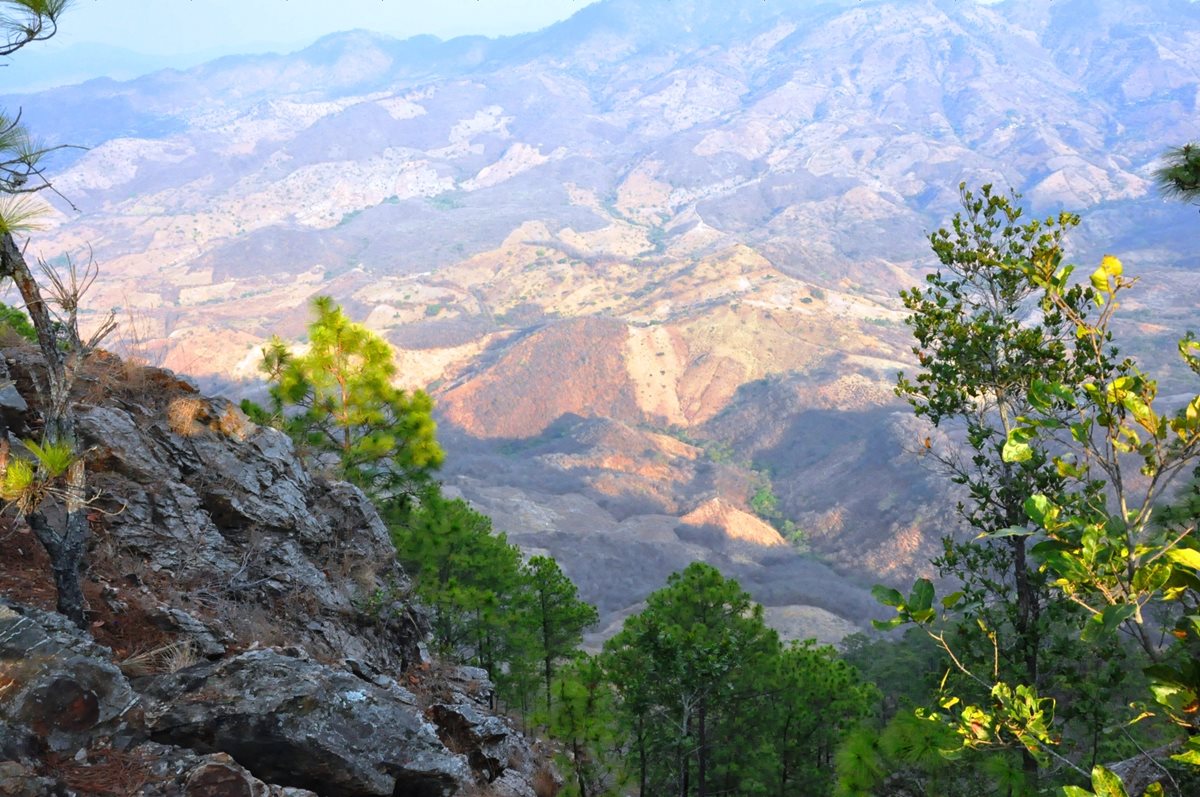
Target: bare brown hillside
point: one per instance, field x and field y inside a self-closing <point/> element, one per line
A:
<point x="645" y="259"/>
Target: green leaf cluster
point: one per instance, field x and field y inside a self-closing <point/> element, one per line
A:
<point x="1022" y="360"/>
<point x="338" y="398"/>
<point x="25" y="482"/>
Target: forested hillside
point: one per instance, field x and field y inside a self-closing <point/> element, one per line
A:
<point x="643" y="263"/>
<point x="580" y="388"/>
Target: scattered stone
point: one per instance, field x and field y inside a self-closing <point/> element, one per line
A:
<point x="59" y="684"/>
<point x="18" y="780"/>
<point x="10" y="398"/>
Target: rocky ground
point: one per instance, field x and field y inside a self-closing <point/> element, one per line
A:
<point x="249" y="630"/>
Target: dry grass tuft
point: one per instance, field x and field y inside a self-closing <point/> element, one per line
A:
<point x="183" y="414"/>
<point x="106" y="772"/>
<point x="172" y="657"/>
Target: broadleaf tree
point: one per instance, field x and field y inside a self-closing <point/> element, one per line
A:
<point x="984" y="345"/>
<point x="1103" y="542"/>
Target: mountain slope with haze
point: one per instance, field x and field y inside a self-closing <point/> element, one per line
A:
<point x="646" y="259"/>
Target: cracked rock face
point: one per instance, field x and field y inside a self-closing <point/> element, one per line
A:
<point x="57" y="683"/>
<point x="225" y="509"/>
<point x="236" y="583"/>
<point x="306" y="725"/>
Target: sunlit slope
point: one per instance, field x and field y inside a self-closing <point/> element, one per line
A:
<point x="645" y="261"/>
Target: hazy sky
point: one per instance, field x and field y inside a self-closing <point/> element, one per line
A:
<point x="182" y="33"/>
<point x="180" y="26"/>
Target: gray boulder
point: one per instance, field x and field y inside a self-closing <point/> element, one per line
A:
<point x="176" y="772"/>
<point x="60" y="686"/>
<point x="19" y="780"/>
<point x="10" y="398"/>
<point x="293" y="721"/>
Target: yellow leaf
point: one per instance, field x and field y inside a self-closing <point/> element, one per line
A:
<point x="1111" y="266"/>
<point x="1188" y="557"/>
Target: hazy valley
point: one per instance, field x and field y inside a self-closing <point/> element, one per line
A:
<point x="647" y="264"/>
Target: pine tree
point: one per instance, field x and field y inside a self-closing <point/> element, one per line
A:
<point x="468" y="576"/>
<point x="682" y="667"/>
<point x="816" y="699"/>
<point x="583" y="720"/>
<point x="1179" y="177"/>
<point x="338" y="398"/>
<point x="556" y="615"/>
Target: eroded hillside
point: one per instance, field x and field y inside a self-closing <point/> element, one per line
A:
<point x="643" y="261"/>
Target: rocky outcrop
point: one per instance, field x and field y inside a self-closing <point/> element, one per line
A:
<point x="249" y="632"/>
<point x="176" y="772"/>
<point x="58" y="687"/>
<point x="306" y="724"/>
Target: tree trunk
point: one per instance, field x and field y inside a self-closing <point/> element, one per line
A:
<point x="783" y="755"/>
<point x="66" y="561"/>
<point x="1027" y="634"/>
<point x="641" y="743"/>
<point x="579" y="778"/>
<point x="66" y="548"/>
<point x="548" y="661"/>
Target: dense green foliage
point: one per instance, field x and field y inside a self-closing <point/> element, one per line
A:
<point x="583" y="720"/>
<point x="467" y="575"/>
<point x="556" y="613"/>
<point x="764" y="503"/>
<point x="338" y="398"/>
<point x="695" y="696"/>
<point x="709" y="701"/>
<point x="1079" y="573"/>
<point x="13" y="319"/>
<point x="516" y="620"/>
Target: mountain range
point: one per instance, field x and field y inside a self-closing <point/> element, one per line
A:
<point x="646" y="259"/>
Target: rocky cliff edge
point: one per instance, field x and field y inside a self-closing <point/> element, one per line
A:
<point x="250" y="632"/>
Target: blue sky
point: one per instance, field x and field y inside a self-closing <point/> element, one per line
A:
<point x="182" y="33"/>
